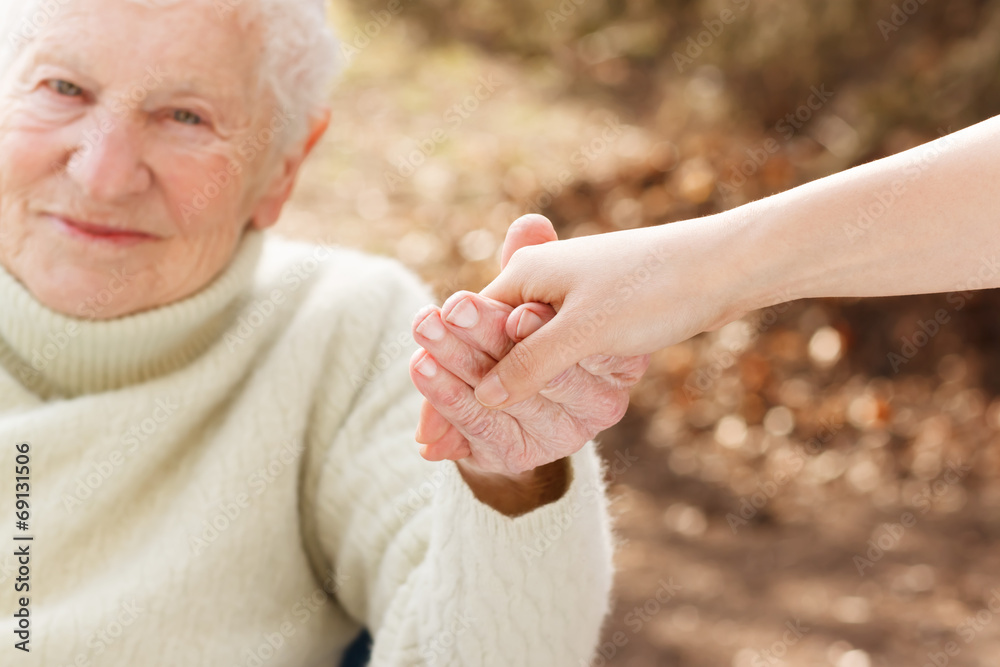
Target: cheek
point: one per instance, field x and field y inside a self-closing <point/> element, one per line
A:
<point x="30" y="160"/>
<point x="202" y="192"/>
<point x="28" y="156"/>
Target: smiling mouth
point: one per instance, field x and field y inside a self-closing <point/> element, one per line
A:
<point x="94" y="232"/>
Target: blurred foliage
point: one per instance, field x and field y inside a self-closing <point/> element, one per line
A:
<point x="720" y="416"/>
<point x="678" y="71"/>
<point x="937" y="67"/>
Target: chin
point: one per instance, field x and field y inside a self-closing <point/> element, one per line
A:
<point x="85" y="292"/>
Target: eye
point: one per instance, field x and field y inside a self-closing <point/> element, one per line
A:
<point x="63" y="87"/>
<point x="187" y="117"/>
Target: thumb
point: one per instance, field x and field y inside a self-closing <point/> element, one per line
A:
<point x="509" y="287"/>
<point x="530" y="365"/>
<point x="531" y="229"/>
<point x="528" y="230"/>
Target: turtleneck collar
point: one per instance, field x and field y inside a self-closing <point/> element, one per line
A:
<point x="56" y="355"/>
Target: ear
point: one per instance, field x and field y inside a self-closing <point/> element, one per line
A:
<point x="269" y="205"/>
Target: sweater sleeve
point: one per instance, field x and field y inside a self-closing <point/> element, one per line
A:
<point x="438" y="577"/>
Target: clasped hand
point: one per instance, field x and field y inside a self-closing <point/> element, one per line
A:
<point x="465" y="338"/>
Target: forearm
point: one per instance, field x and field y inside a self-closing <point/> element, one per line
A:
<point x="519" y="494"/>
<point x="468" y="586"/>
<point x="921" y="221"/>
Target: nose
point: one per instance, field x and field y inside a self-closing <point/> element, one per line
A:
<point x="107" y="163"/>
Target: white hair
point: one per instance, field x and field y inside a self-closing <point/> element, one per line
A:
<point x="300" y="58"/>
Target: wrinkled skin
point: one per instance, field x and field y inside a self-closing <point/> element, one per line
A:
<point x="108" y="120"/>
<point x="462" y="341"/>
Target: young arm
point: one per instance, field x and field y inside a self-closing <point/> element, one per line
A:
<point x="920" y="221"/>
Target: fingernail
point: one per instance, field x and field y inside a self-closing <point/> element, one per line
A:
<point x="490" y="392"/>
<point x="427" y="367"/>
<point x="528" y="324"/>
<point x="431" y="328"/>
<point x="464" y="315"/>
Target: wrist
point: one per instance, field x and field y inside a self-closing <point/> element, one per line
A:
<point x="722" y="262"/>
<point x="762" y="260"/>
<point x="518" y="494"/>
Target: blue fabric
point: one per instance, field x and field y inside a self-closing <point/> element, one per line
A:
<point x="358" y="653"/>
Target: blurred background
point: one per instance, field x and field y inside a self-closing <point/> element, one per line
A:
<point x="815" y="485"/>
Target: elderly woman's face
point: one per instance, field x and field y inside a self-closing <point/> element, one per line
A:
<point x="133" y="152"/>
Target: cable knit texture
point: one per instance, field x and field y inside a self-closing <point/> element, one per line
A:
<point x="231" y="480"/>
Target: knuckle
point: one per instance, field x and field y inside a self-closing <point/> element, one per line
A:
<point x="453" y="300"/>
<point x="480" y="366"/>
<point x="608" y="407"/>
<point x="525" y="261"/>
<point x="523" y="360"/>
<point x="559" y="382"/>
<point x="420" y="316"/>
<point x="619" y="406"/>
<point x="462" y="360"/>
<point x="519" y="465"/>
<point x="597" y="364"/>
<point x="636" y="366"/>
<point x="625" y="370"/>
<point x="485" y="428"/>
<point x="451" y="396"/>
<point x="519" y="460"/>
<point x="521" y="256"/>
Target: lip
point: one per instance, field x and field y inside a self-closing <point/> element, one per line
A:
<point x="101" y="233"/>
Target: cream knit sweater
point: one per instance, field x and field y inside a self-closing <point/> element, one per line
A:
<point x="231" y="481"/>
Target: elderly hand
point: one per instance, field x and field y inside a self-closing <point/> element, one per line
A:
<point x="462" y="341"/>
